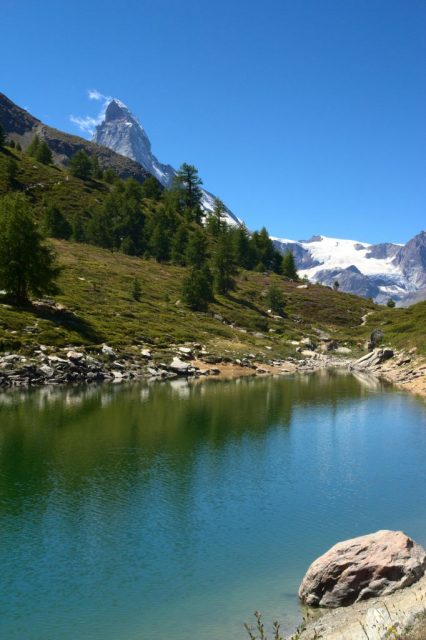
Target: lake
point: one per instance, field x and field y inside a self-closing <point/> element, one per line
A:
<point x="174" y="510"/>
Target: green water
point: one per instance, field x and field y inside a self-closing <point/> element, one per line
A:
<point x="173" y="511"/>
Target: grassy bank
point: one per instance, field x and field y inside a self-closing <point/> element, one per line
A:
<point x="96" y="291"/>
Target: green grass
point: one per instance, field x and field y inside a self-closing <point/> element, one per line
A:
<point x="96" y="290"/>
<point x="49" y="182"/>
<point x="403" y="328"/>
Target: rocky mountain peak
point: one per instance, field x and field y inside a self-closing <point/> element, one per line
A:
<point x="117" y="110"/>
<point x="122" y="132"/>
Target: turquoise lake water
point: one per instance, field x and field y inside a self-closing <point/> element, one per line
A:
<point x="173" y="511"/>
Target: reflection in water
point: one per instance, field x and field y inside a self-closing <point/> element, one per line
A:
<point x="175" y="509"/>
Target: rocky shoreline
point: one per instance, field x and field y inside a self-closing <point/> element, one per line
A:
<point x="403" y="369"/>
<point x="46" y="365"/>
<point x="52" y="366"/>
<point x="382" y="618"/>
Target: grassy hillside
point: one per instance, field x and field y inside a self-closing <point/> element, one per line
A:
<point x="39" y="181"/>
<point x="403" y="328"/>
<point x="96" y="290"/>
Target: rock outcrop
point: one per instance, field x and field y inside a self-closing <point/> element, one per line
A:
<point x="373" y="358"/>
<point x="365" y="567"/>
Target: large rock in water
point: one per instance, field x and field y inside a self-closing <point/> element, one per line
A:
<point x="369" y="566"/>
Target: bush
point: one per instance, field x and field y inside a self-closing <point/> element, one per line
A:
<point x="136" y="290"/>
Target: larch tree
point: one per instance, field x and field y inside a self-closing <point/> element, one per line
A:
<point x="27" y="264"/>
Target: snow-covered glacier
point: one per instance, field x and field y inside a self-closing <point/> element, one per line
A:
<point x="380" y="271"/>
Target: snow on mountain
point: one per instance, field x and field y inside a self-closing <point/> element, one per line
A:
<point x="379" y="271"/>
<point x="123" y="133"/>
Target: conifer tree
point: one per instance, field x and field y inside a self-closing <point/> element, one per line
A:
<point x="264" y="250"/>
<point x="289" y="266"/>
<point x="8" y="171"/>
<point x="78" y="227"/>
<point x="27" y="265"/>
<point x="43" y="153"/>
<point x="159" y="241"/>
<point x="275" y="299"/>
<point x="197" y="289"/>
<point x="109" y="175"/>
<point x="55" y="224"/>
<point x="81" y="165"/>
<point x="178" y="245"/>
<point x="215" y="223"/>
<point x="96" y="172"/>
<point x="187" y="184"/>
<point x="224" y="264"/>
<point x="196" y="249"/>
<point x="151" y="189"/>
<point x="244" y="248"/>
<point x="33" y="147"/>
<point x="2" y="137"/>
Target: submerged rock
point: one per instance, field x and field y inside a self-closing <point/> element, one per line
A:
<point x="365" y="567"/>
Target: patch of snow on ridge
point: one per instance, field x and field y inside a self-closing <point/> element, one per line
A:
<point x="337" y="253"/>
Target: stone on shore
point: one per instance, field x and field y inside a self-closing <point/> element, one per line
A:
<point x="365" y="567"/>
<point x="374" y="358"/>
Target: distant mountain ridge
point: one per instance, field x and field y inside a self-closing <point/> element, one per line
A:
<point x="380" y="271"/>
<point x="121" y="131"/>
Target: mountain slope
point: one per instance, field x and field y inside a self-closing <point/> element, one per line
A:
<point x="123" y="133"/>
<point x="379" y="271"/>
<point x="21" y="126"/>
<point x="96" y="289"/>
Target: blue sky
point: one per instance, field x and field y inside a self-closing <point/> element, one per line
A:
<point x="307" y="116"/>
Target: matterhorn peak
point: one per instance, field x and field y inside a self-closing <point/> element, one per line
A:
<point x="121" y="131"/>
<point x="117" y="110"/>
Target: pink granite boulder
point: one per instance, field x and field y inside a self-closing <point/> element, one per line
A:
<point x="369" y="566"/>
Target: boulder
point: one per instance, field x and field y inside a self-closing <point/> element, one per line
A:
<point x="108" y="351"/>
<point x="365" y="567"/>
<point x="344" y="350"/>
<point x="178" y="366"/>
<point x="376" y="337"/>
<point x="308" y="343"/>
<point x="372" y="359"/>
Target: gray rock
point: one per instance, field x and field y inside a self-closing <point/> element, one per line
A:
<point x="368" y="566"/>
<point x="308" y="343"/>
<point x="344" y="350"/>
<point x="374" y="358"/>
<point x="108" y="351"/>
<point x="75" y="356"/>
<point x="178" y="366"/>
